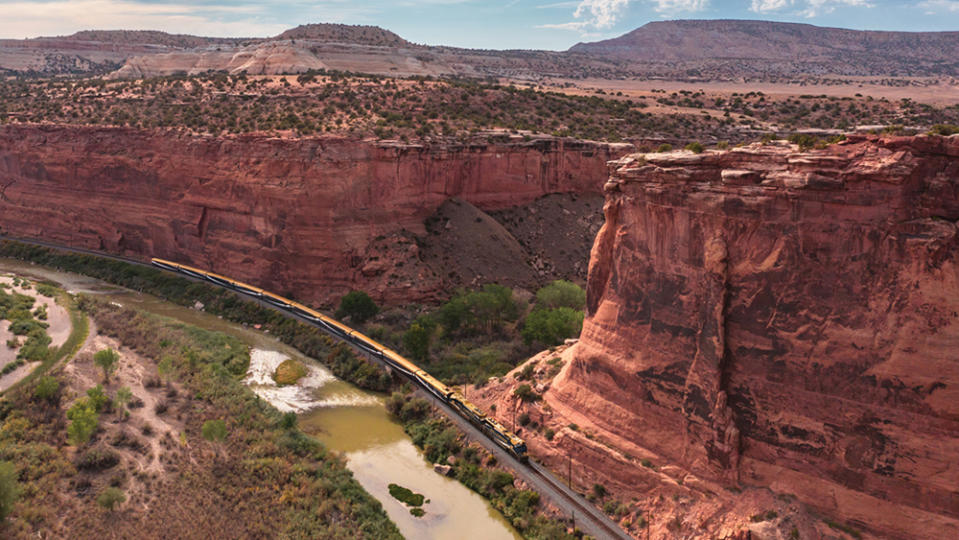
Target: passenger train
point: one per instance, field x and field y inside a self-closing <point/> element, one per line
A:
<point x="493" y="429"/>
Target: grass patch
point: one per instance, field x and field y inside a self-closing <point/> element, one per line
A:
<point x="405" y="495"/>
<point x="289" y="372"/>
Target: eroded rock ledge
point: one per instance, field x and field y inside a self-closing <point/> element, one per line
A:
<point x="312" y="217"/>
<point x="775" y="318"/>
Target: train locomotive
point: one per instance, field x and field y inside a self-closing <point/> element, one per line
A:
<point x="489" y="426"/>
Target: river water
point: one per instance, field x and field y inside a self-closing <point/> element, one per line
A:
<point x="348" y="420"/>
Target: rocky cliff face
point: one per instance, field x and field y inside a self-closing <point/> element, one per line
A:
<point x="311" y="217"/>
<point x="773" y="318"/>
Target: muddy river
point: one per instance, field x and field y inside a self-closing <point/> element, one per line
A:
<point x="346" y="419"/>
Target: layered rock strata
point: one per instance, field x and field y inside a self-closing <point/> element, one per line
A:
<point x="310" y="217"/>
<point x="774" y="318"/>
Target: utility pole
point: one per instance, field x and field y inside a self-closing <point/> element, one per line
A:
<point x="569" y="471"/>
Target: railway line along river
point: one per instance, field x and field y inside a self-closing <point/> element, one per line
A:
<point x="348" y="420"/>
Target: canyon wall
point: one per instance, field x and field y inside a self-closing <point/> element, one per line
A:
<point x="773" y="318"/>
<point x="312" y="217"/>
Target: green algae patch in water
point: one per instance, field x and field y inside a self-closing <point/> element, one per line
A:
<point x="405" y="495"/>
<point x="289" y="372"/>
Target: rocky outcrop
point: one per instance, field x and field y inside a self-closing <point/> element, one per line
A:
<point x="773" y="318"/>
<point x="310" y="217"/>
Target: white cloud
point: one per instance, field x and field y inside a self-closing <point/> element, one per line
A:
<point x="670" y="7"/>
<point x="809" y="8"/>
<point x="821" y="7"/>
<point x="765" y="6"/>
<point x="933" y="7"/>
<point x="592" y="15"/>
<point x="600" y="13"/>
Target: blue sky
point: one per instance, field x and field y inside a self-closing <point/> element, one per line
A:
<point x="523" y="24"/>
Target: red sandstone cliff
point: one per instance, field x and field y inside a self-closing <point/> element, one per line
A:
<point x="763" y="317"/>
<point x="312" y="217"/>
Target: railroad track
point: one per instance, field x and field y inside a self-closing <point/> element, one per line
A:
<point x="585" y="516"/>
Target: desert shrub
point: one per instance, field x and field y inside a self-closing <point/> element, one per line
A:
<point x="358" y="306"/>
<point x="549" y="434"/>
<point x="214" y="430"/>
<point x="944" y="129"/>
<point x="694" y="147"/>
<point x="523" y="419"/>
<point x="97" y="459"/>
<point x="804" y="141"/>
<point x="665" y="147"/>
<point x="111" y="497"/>
<point x="525" y="393"/>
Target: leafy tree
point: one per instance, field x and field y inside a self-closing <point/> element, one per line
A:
<point x="98" y="398"/>
<point x="358" y="306"/>
<point x="552" y="326"/>
<point x="111" y="497"/>
<point x="561" y="293"/>
<point x="416" y="340"/>
<point x="83" y="418"/>
<point x="107" y="360"/>
<point x="9" y="488"/>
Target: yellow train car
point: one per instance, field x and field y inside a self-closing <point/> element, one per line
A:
<point x="496" y="431"/>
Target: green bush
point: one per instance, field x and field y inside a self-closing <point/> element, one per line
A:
<point x="107" y="360"/>
<point x="9" y="488"/>
<point x="525" y="393"/>
<point x="111" y="497"/>
<point x="664" y="148"/>
<point x="695" y="147"/>
<point x="47" y="389"/>
<point x="552" y="326"/>
<point x="561" y="293"/>
<point x="83" y="418"/>
<point x="358" y="306"/>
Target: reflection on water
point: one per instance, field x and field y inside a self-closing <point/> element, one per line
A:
<point x="345" y="418"/>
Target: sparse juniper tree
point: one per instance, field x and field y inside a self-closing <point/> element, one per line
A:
<point x="124" y="395"/>
<point x="107" y="360"/>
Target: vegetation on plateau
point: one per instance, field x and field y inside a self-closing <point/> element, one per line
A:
<point x="423" y="108"/>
